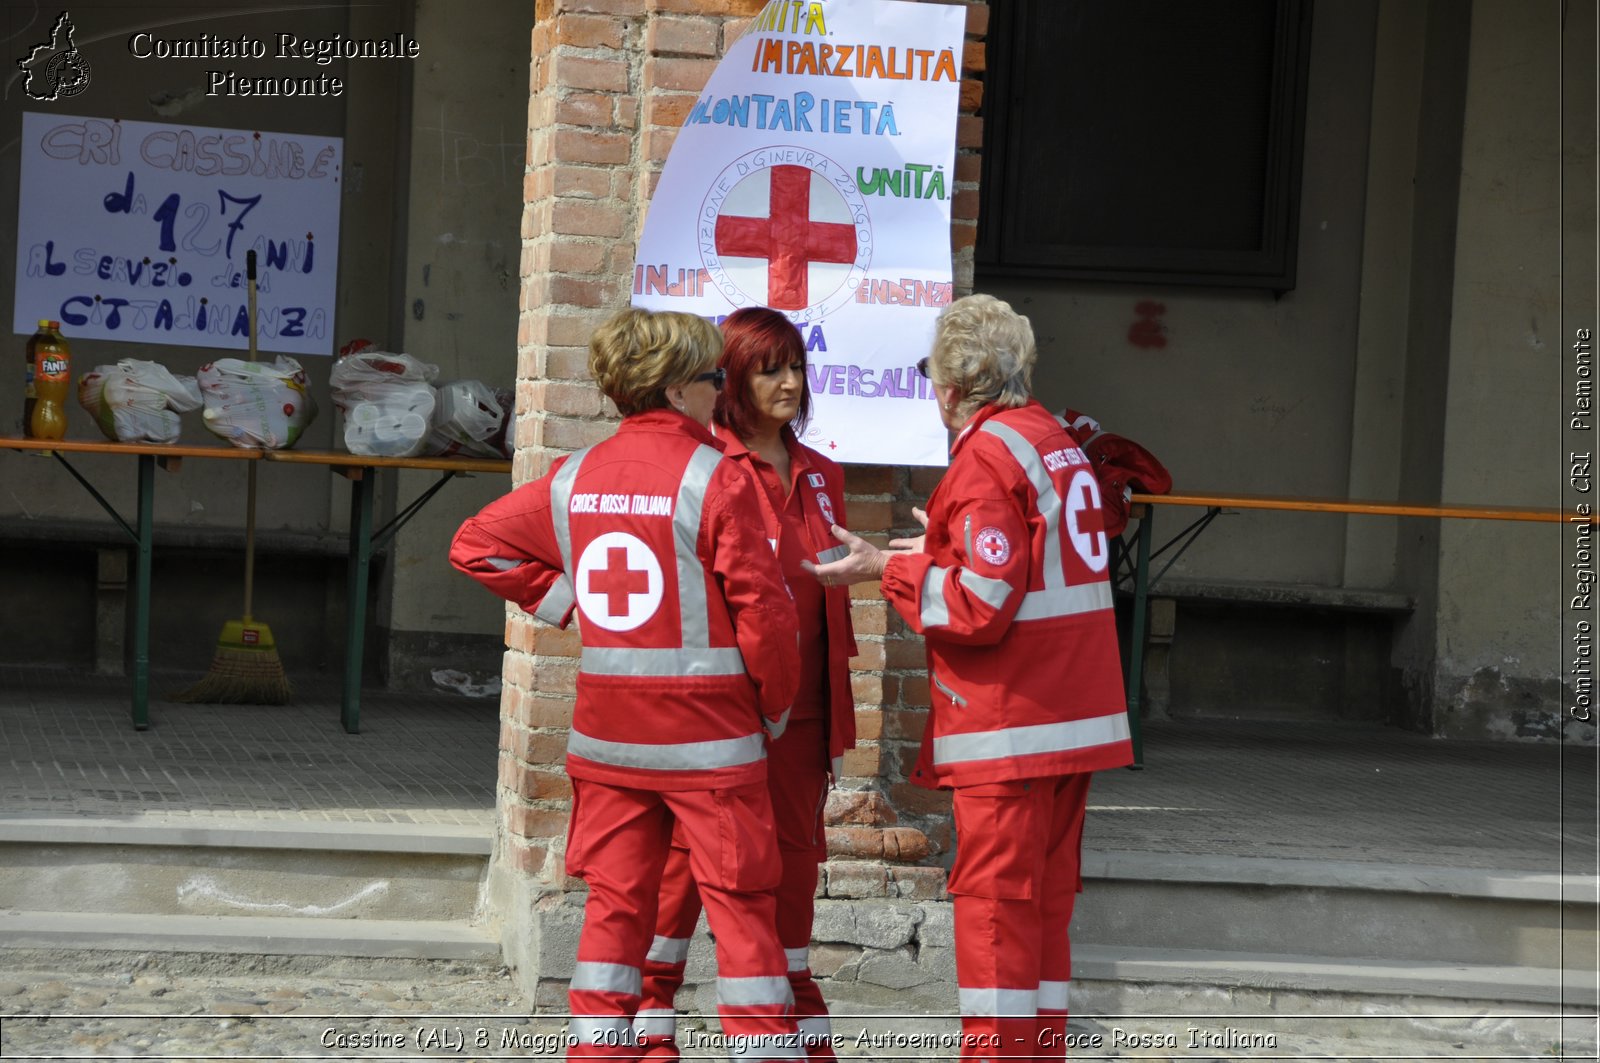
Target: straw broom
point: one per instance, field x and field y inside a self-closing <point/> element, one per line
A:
<point x="245" y="669"/>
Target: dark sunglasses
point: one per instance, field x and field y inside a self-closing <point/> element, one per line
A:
<point x="922" y="367"/>
<point x="717" y="376"/>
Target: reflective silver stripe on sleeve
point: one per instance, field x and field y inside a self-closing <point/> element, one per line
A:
<point x="1065" y="601"/>
<point x="1053" y="995"/>
<point x="799" y="959"/>
<point x="607" y="978"/>
<point x="760" y="1048"/>
<point x="503" y="564"/>
<point x="674" y="756"/>
<point x="935" y="613"/>
<point x="668" y="950"/>
<point x="993" y="592"/>
<point x="775" y="730"/>
<point x="655" y="1022"/>
<point x="1026" y="741"/>
<point x="605" y="1030"/>
<point x="556" y="601"/>
<point x="686" y="536"/>
<point x="1049" y="502"/>
<point x="999" y="1003"/>
<point x="628" y="660"/>
<point x="561" y="505"/>
<point x="838" y="553"/>
<point x="754" y="992"/>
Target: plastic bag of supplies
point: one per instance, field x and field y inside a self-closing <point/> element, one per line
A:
<point x="470" y="419"/>
<point x="256" y="404"/>
<point x="138" y="402"/>
<point x="387" y="401"/>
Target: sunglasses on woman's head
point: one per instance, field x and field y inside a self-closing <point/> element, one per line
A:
<point x="922" y="366"/>
<point x="717" y="376"/>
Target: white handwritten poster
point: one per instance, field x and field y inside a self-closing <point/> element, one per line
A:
<point x="137" y="231"/>
<point x="814" y="175"/>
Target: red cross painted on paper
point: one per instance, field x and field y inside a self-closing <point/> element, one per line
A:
<point x="788" y="239"/>
<point x="618" y="582"/>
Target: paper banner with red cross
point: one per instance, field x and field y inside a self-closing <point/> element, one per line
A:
<point x="814" y="175"/>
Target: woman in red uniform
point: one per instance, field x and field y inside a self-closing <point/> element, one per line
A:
<point x="656" y="539"/>
<point x="765" y="401"/>
<point x="1009" y="588"/>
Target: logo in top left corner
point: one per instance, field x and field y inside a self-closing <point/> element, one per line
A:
<point x="55" y="69"/>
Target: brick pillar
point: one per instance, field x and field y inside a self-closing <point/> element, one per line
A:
<point x="610" y="85"/>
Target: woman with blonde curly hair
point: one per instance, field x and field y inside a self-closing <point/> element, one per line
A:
<point x="1009" y="588"/>
<point x="657" y="543"/>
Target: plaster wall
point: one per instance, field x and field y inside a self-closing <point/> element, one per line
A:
<point x="1499" y="651"/>
<point x="468" y="150"/>
<point x="1242" y="392"/>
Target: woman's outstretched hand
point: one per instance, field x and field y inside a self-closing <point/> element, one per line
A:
<point x="864" y="561"/>
<point x="912" y="546"/>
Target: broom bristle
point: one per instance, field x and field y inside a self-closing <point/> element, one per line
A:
<point x="244" y="671"/>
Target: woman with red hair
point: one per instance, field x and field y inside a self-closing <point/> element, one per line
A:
<point x="764" y="403"/>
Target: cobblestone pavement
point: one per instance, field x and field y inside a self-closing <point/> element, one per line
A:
<point x="111" y="1006"/>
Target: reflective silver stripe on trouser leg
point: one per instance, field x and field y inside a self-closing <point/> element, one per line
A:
<point x="1053" y="996"/>
<point x="999" y="1003"/>
<point x="767" y="991"/>
<point x="815" y="1029"/>
<point x="668" y="950"/>
<point x="760" y="991"/>
<point x="607" y="978"/>
<point x="656" y="1022"/>
<point x="606" y="1031"/>
<point x="686" y="516"/>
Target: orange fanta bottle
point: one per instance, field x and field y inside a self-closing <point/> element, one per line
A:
<point x="44" y="407"/>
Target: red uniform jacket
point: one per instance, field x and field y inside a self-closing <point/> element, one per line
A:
<point x="1013" y="598"/>
<point x="820" y="481"/>
<point x="658" y="544"/>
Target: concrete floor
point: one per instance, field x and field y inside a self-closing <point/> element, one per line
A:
<point x="1306" y="791"/>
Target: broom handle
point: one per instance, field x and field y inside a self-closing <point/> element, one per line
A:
<point x="250" y="475"/>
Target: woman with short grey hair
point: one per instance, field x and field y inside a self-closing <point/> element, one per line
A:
<point x="987" y="351"/>
<point x="1009" y="588"/>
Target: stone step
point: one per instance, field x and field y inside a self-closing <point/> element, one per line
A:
<point x="1330" y="910"/>
<point x="243" y="868"/>
<point x="410" y="939"/>
<point x="1183" y="970"/>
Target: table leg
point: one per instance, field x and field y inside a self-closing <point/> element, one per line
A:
<point x="1141" y="594"/>
<point x="361" y="491"/>
<point x="141" y="594"/>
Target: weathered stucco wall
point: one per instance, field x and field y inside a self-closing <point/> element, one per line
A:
<point x="458" y="306"/>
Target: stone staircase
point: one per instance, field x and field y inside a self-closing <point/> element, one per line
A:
<point x="1401" y="955"/>
<point x="244" y="886"/>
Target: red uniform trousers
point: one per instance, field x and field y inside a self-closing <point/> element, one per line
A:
<point x="797" y="777"/>
<point x="1015" y="881"/>
<point x="618" y="844"/>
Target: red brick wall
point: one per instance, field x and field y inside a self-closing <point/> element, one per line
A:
<point x="611" y="82"/>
